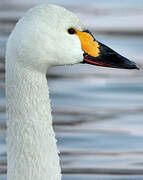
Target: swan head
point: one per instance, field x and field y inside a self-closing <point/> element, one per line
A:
<point x="50" y="35"/>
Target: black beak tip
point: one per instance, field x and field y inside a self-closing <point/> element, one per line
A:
<point x="137" y="68"/>
<point x="134" y="66"/>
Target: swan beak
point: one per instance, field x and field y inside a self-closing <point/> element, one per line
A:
<point x="96" y="53"/>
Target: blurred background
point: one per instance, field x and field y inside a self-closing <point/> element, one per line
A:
<point x="97" y="112"/>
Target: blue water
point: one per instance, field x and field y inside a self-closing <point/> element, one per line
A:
<point x="102" y="3"/>
<point x="98" y="112"/>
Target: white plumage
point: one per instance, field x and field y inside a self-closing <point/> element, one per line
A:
<point x="46" y="36"/>
<point x="39" y="40"/>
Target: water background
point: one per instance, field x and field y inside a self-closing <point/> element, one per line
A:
<point x="97" y="112"/>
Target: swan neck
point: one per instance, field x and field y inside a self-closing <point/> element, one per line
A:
<point x="31" y="144"/>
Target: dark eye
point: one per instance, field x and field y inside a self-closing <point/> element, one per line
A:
<point x="71" y="31"/>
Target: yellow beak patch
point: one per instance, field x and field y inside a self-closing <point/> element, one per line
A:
<point x="88" y="44"/>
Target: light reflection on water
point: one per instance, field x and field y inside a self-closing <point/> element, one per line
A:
<point x="97" y="115"/>
<point x="102" y="3"/>
<point x="98" y="119"/>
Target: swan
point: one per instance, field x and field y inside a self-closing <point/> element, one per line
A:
<point x="47" y="35"/>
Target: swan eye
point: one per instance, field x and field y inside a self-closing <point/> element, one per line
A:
<point x="71" y="31"/>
